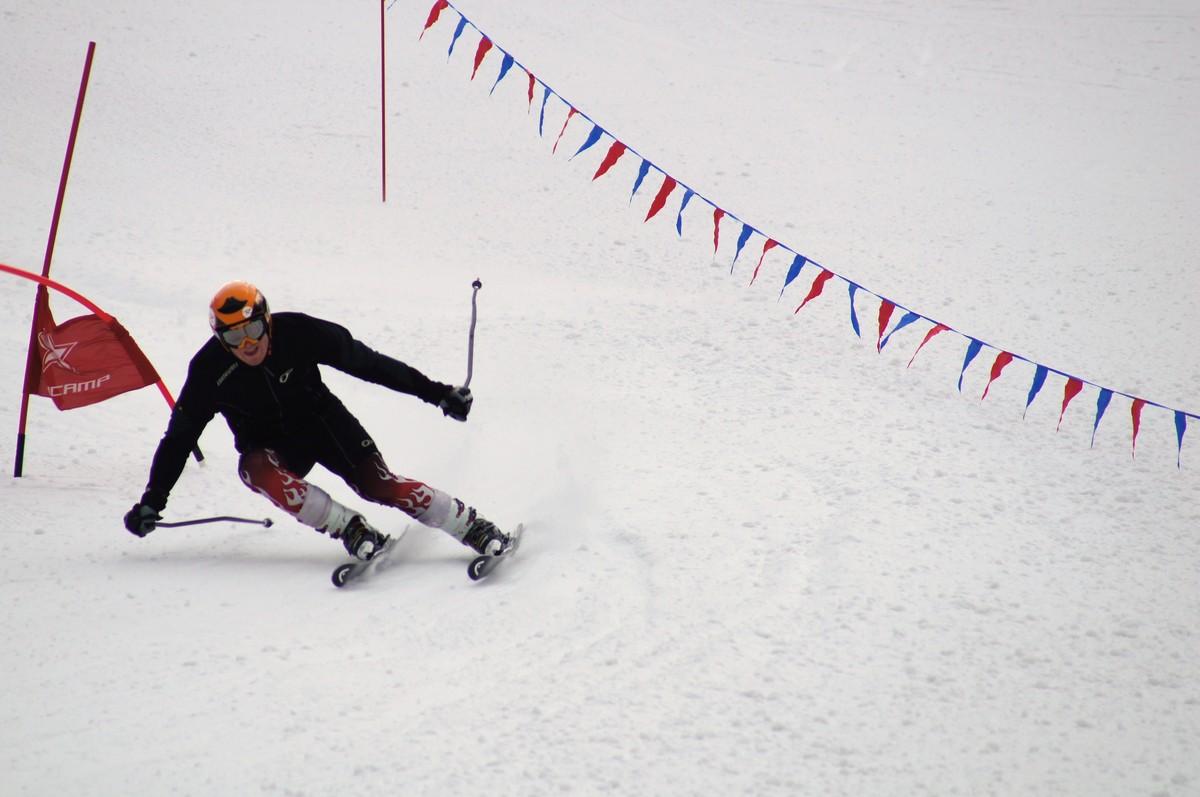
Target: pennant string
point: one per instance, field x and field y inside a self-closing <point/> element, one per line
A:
<point x="669" y="183"/>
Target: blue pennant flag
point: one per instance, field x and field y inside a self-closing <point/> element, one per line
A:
<point x="793" y="272"/>
<point x="907" y="319"/>
<point x="592" y="138"/>
<point x="741" y="242"/>
<point x="853" y="313"/>
<point x="462" y="25"/>
<point x="505" y="65"/>
<point x="1101" y="405"/>
<point x="643" y="170"/>
<point x="1180" y="428"/>
<point x="972" y="351"/>
<point x="542" y="115"/>
<point x="1039" y="379"/>
<point x="687" y="197"/>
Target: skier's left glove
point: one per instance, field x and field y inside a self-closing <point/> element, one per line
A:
<point x="456" y="403"/>
<point x="141" y="519"/>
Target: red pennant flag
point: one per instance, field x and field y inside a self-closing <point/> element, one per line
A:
<point x="767" y="247"/>
<point x="885" y="315"/>
<point x="717" y="214"/>
<point x="1136" y="412"/>
<point x="532" y="81"/>
<point x="485" y="44"/>
<point x="928" y="336"/>
<point x="1071" y="391"/>
<point x="566" y="122"/>
<point x="660" y="198"/>
<point x="86" y="360"/>
<point x="614" y="153"/>
<point x="434" y="13"/>
<point x="1002" y="359"/>
<point x="818" y="285"/>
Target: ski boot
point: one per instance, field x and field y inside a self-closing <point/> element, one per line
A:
<point x="362" y="541"/>
<point x="483" y="536"/>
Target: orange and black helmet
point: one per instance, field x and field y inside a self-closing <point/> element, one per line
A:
<point x="238" y="314"/>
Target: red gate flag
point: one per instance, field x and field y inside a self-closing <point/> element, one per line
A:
<point x="82" y="361"/>
<point x="85" y="360"/>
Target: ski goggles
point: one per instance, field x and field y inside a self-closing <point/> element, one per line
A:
<point x="239" y="335"/>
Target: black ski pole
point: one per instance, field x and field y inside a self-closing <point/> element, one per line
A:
<point x="475" y="286"/>
<point x="220" y="518"/>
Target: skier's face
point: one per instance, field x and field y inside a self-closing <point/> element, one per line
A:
<point x="253" y="352"/>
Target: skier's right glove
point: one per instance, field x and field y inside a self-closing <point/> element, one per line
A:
<point x="456" y="403"/>
<point x="141" y="519"/>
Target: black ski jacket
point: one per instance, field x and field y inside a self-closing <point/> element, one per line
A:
<point x="276" y="400"/>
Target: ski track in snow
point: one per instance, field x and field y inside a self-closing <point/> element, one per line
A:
<point x="761" y="557"/>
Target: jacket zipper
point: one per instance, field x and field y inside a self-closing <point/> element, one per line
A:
<point x="269" y="377"/>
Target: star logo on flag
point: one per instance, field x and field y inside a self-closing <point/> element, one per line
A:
<point x="54" y="354"/>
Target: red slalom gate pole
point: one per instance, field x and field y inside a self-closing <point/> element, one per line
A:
<point x="383" y="100"/>
<point x="31" y="359"/>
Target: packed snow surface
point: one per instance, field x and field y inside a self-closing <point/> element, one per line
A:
<point x="762" y="557"/>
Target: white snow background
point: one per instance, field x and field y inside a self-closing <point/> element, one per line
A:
<point x="761" y="558"/>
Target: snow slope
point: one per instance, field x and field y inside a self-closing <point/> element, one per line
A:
<point x="762" y="557"/>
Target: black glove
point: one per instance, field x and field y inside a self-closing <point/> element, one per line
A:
<point x="456" y="403"/>
<point x="140" y="520"/>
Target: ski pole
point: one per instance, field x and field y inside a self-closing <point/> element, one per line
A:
<point x="218" y="519"/>
<point x="475" y="286"/>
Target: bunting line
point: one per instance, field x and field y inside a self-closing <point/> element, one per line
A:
<point x="1073" y="385"/>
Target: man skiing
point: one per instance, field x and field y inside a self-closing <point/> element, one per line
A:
<point x="260" y="371"/>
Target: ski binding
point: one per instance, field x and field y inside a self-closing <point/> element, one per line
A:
<point x="485" y="563"/>
<point x="352" y="571"/>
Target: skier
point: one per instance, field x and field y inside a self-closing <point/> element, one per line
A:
<point x="260" y="371"/>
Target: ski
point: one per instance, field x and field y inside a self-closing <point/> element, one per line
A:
<point x="353" y="571"/>
<point x="482" y="565"/>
